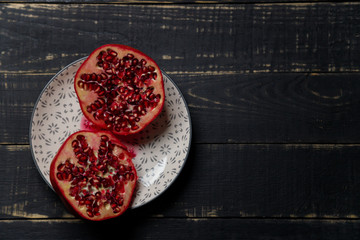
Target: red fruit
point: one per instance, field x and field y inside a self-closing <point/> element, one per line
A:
<point x="94" y="175"/>
<point x="120" y="89"/>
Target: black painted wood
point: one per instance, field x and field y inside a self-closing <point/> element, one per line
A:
<point x="136" y="228"/>
<point x="272" y="88"/>
<point x="218" y="180"/>
<point x="152" y="2"/>
<point x="238" y="108"/>
<point x="233" y="45"/>
<point x="193" y="39"/>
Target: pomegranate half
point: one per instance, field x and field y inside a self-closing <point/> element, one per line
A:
<point x="94" y="175"/>
<point x="120" y="89"/>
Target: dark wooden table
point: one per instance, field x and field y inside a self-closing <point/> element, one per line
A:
<point x="273" y="89"/>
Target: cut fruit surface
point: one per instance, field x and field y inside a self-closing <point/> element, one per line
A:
<point x="120" y="89"/>
<point x="94" y="175"/>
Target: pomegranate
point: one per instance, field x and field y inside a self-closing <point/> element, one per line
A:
<point x="120" y="89"/>
<point x="94" y="175"/>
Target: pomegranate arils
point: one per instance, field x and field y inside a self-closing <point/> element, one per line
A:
<point x="123" y="82"/>
<point x="100" y="172"/>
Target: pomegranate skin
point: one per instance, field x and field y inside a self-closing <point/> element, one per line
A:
<point x="120" y="89"/>
<point x="103" y="200"/>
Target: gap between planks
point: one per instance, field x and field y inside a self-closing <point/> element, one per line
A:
<point x="196" y="219"/>
<point x="168" y="4"/>
<point x="203" y="73"/>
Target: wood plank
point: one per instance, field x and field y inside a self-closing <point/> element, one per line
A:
<point x="148" y="228"/>
<point x="255" y="108"/>
<point x="198" y="39"/>
<point x="218" y="181"/>
<point x="274" y="108"/>
<point x="162" y="1"/>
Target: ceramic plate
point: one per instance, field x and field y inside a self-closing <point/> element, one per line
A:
<point x="161" y="149"/>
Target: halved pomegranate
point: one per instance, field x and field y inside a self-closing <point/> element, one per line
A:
<point x="120" y="89"/>
<point x="94" y="175"/>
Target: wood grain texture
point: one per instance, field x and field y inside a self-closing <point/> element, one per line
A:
<point x="219" y="180"/>
<point x="273" y="94"/>
<point x="225" y="58"/>
<point x="140" y="228"/>
<point x="196" y="39"/>
<point x="255" y="108"/>
<point x="274" y="108"/>
<point x="152" y="2"/>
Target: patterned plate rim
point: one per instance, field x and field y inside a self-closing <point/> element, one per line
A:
<point x="82" y="59"/>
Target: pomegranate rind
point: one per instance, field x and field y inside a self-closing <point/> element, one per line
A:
<point x="86" y="97"/>
<point x="62" y="187"/>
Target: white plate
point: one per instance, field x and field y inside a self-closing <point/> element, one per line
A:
<point x="161" y="149"/>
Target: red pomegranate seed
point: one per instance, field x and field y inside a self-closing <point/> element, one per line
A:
<point x="151" y="68"/>
<point x="81" y="84"/>
<point x="122" y="78"/>
<point x="106" y="65"/>
<point x="89" y="213"/>
<point x="112" y="53"/>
